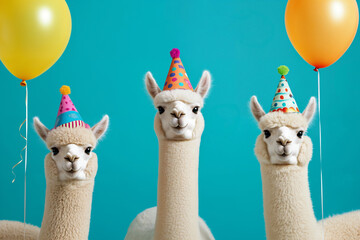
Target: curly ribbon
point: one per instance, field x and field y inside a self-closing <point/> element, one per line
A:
<point x="21" y="157"/>
<point x="321" y="172"/>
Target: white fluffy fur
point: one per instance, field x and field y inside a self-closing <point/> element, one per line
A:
<point x="178" y="119"/>
<point x="288" y="209"/>
<point x="72" y="159"/>
<point x="142" y="227"/>
<point x="69" y="185"/>
<point x="185" y="96"/>
<point x="285" y="149"/>
<point x="176" y="216"/>
<point x="11" y="230"/>
<point x="283" y="144"/>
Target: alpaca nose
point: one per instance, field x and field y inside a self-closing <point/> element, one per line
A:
<point x="71" y="158"/>
<point x="283" y="141"/>
<point x="177" y="113"/>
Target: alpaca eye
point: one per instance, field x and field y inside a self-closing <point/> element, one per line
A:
<point x="195" y="110"/>
<point x="55" y="150"/>
<point x="88" y="150"/>
<point x="300" y="134"/>
<point x="161" y="110"/>
<point x="267" y="133"/>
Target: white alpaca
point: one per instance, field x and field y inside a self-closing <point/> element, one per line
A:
<point x="284" y="139"/>
<point x="178" y="126"/>
<point x="284" y="153"/>
<point x="70" y="172"/>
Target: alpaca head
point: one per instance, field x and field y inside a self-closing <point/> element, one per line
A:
<point x="283" y="133"/>
<point x="179" y="109"/>
<point x="71" y="148"/>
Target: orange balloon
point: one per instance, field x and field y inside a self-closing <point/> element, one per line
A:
<point x="321" y="30"/>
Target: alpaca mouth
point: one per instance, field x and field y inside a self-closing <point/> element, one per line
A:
<point x="70" y="171"/>
<point x="284" y="155"/>
<point x="178" y="127"/>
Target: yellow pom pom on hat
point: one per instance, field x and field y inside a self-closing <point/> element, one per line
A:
<point x="177" y="77"/>
<point x="65" y="90"/>
<point x="284" y="100"/>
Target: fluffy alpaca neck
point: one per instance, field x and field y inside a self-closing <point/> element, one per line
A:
<point x="177" y="203"/>
<point x="67" y="207"/>
<point x="288" y="208"/>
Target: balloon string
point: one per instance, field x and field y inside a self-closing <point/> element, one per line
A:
<point x="321" y="173"/>
<point x="26" y="151"/>
<point x="21" y="157"/>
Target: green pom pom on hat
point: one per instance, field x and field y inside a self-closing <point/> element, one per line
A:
<point x="283" y="100"/>
<point x="283" y="70"/>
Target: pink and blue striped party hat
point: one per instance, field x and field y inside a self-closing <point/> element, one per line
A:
<point x="67" y="115"/>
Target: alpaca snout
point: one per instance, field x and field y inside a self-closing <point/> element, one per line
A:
<point x="283" y="141"/>
<point x="71" y="158"/>
<point x="177" y="113"/>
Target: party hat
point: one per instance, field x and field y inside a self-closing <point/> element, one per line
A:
<point x="177" y="77"/>
<point x="284" y="100"/>
<point x="67" y="115"/>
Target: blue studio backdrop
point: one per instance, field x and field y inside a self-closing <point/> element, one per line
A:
<point x="114" y="43"/>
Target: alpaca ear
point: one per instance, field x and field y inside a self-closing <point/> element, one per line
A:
<point x="40" y="128"/>
<point x="204" y="84"/>
<point x="151" y="85"/>
<point x="256" y="108"/>
<point x="101" y="127"/>
<point x="310" y="109"/>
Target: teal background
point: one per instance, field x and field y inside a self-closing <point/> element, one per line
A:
<point x="114" y="43"/>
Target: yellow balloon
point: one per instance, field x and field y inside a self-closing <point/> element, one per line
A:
<point x="33" y="35"/>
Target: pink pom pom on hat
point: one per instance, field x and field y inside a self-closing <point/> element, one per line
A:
<point x="67" y="115"/>
<point x="177" y="77"/>
<point x="175" y="53"/>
